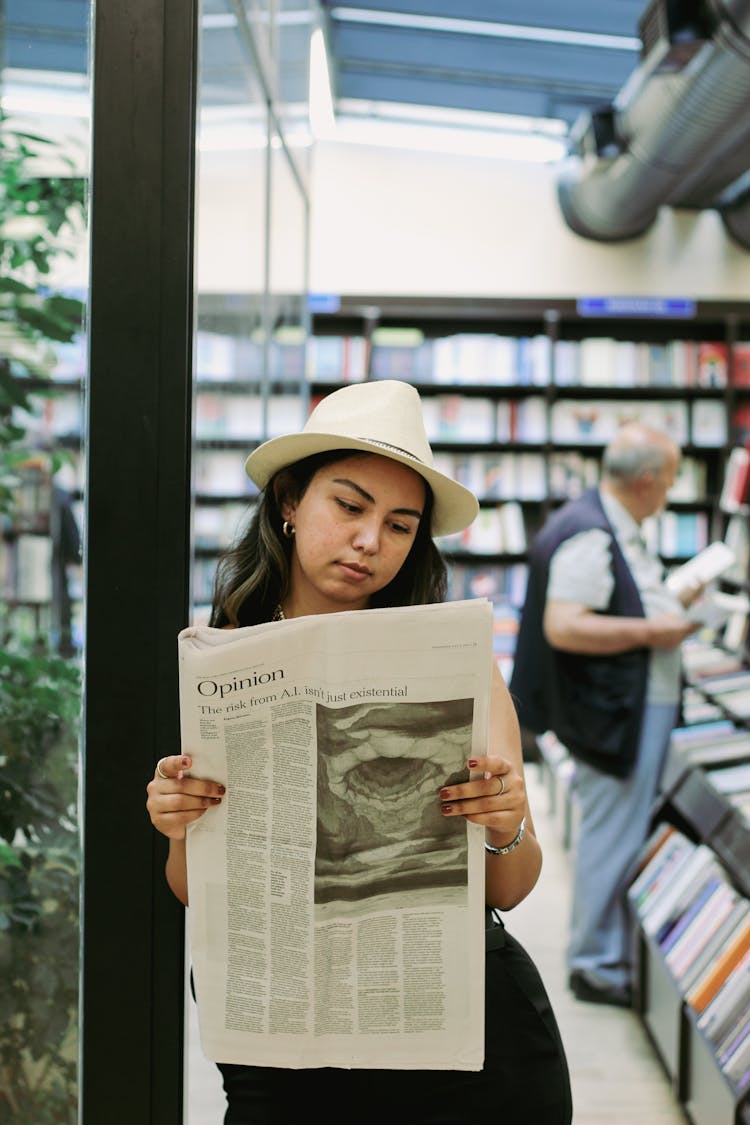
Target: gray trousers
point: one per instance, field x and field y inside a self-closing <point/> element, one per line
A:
<point x="614" y="817"/>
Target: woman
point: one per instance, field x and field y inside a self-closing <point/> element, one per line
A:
<point x="345" y="522"/>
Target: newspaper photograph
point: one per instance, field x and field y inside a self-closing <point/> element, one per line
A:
<point x="336" y="917"/>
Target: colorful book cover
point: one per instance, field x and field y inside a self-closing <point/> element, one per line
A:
<point x="671" y="932"/>
<point x="675" y="849"/>
<point x="708" y="985"/>
<point x="670" y="897"/>
<point x="697" y="934"/>
<point x="716" y="943"/>
<point x="724" y="1008"/>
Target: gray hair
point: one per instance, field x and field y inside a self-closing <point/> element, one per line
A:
<point x="634" y="451"/>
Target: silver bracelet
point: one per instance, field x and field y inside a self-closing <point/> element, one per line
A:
<point x="508" y="847"/>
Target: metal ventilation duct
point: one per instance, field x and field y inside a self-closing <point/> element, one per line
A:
<point x="734" y="208"/>
<point x="677" y="133"/>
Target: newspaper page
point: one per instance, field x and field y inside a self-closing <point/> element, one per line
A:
<point x="336" y="917"/>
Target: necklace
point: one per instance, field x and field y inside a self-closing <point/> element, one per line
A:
<point x="278" y="614"/>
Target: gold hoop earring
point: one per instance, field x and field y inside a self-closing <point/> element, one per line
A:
<point x="287" y="529"/>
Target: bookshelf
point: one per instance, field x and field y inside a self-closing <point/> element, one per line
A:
<point x="692" y="933"/>
<point x="521" y="396"/>
<point x="694" y="981"/>
<point x="40" y="530"/>
<point x="687" y="911"/>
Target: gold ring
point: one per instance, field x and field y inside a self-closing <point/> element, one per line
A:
<point x="164" y="776"/>
<point x="500" y="791"/>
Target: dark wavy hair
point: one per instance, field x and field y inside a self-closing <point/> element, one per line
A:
<point x="252" y="576"/>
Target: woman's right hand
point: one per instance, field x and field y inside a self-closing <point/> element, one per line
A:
<point x="175" y="801"/>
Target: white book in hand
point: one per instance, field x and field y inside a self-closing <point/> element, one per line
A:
<point x="702" y="568"/>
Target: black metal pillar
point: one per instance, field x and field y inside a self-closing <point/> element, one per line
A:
<point x="137" y="550"/>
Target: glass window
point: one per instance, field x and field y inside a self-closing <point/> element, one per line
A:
<point x="250" y="320"/>
<point x="44" y="167"/>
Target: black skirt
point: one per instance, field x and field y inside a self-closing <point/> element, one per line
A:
<point x="524" y="1080"/>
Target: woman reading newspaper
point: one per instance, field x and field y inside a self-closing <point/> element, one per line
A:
<point x="345" y="521"/>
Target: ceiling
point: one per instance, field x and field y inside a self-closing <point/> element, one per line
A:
<point x="543" y="60"/>
<point x="642" y="103"/>
<point x="539" y="59"/>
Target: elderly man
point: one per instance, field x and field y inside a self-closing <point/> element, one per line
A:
<point x="598" y="662"/>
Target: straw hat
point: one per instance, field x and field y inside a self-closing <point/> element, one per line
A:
<point x="382" y="417"/>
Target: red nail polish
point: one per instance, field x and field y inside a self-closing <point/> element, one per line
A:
<point x="472" y="763"/>
<point x="446" y="809"/>
<point x="445" y="794"/>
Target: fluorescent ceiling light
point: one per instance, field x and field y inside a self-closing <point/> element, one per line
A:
<point x="219" y="21"/>
<point x="243" y="128"/>
<point x="463" y="132"/>
<point x="510" y="145"/>
<point x="486" y="27"/>
<point x="453" y="118"/>
<point x="322" y="121"/>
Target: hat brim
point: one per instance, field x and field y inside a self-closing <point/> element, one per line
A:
<point x="454" y="508"/>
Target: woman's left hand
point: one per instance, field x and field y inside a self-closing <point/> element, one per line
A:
<point x="496" y="799"/>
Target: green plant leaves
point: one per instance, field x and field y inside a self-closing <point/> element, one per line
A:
<point x="40" y="216"/>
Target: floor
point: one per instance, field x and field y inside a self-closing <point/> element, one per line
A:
<point x="616" y="1077"/>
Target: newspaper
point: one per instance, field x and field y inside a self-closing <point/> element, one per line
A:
<point x="336" y="917"/>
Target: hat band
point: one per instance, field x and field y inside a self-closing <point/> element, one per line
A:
<point x="395" y="448"/>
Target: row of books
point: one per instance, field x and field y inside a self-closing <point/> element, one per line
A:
<point x="497" y="476"/>
<point x="479" y="419"/>
<point x="450" y="418"/>
<point x="458" y="358"/>
<point x="737" y="536"/>
<point x="502" y="585"/>
<point x="723" y="757"/>
<point x="499" y="530"/>
<point x="606" y="362"/>
<point x="405" y="353"/>
<point x="689" y="908"/>
<point x="559" y="475"/>
<point x="26" y="569"/>
<point x="697" y="708"/>
<point x="221" y="472"/>
<point x="244" y="355"/>
<point x="60" y="413"/>
<point x="570" y="472"/>
<point x="505" y="587"/>
<point x="714" y="740"/>
<point x="674" y="534"/>
<point x="595" y="421"/>
<point x="720" y="744"/>
<point x="247" y="417"/>
<point x="215" y="526"/>
<point x="735" y="491"/>
<point x="202" y="583"/>
<point x="739" y="427"/>
<point x="727" y="683"/>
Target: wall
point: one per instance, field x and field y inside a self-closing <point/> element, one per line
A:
<point x="393" y="221"/>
